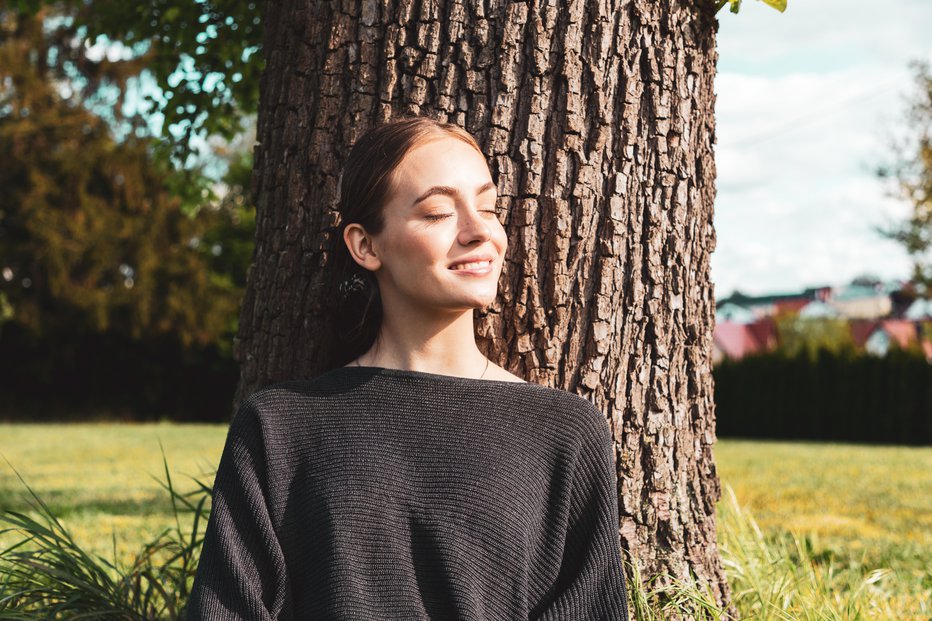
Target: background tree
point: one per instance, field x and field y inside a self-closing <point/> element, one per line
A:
<point x="597" y="122"/>
<point x="120" y="275"/>
<point x="911" y="172"/>
<point x="93" y="236"/>
<point x="193" y="66"/>
<point x="797" y="334"/>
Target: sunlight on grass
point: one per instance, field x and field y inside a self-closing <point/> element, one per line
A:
<point x="101" y="479"/>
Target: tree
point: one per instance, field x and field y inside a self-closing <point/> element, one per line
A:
<point x="93" y="231"/>
<point x="810" y="334"/>
<point x="911" y="172"/>
<point x="599" y="130"/>
<point x="199" y="59"/>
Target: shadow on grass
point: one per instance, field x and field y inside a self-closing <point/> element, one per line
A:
<point x="64" y="504"/>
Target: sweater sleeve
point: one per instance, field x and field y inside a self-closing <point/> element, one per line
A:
<point x="591" y="583"/>
<point x="241" y="573"/>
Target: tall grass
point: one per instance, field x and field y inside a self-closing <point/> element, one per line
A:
<point x="46" y="575"/>
<point x="785" y="578"/>
<point x="54" y="578"/>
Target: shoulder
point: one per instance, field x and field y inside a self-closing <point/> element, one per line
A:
<point x="288" y="394"/>
<point x="572" y="415"/>
<point x="277" y="405"/>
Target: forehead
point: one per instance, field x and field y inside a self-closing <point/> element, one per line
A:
<point x="441" y="161"/>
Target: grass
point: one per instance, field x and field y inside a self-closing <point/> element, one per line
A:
<point x="103" y="479"/>
<point x="855" y="506"/>
<point x="838" y="531"/>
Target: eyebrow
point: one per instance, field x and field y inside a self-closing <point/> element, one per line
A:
<point x="447" y="190"/>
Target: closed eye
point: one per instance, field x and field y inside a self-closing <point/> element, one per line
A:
<point x="441" y="216"/>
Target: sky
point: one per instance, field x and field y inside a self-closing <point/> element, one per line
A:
<point x="806" y="104"/>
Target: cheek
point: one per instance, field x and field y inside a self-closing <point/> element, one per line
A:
<point x="417" y="247"/>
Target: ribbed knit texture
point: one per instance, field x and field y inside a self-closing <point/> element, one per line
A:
<point x="372" y="494"/>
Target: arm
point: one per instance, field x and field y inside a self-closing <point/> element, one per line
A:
<point x="241" y="573"/>
<point x="591" y="583"/>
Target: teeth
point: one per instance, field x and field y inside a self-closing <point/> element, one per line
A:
<point x="469" y="266"/>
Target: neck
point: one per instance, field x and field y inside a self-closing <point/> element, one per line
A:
<point x="443" y="344"/>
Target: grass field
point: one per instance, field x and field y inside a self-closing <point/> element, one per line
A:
<point x="859" y="507"/>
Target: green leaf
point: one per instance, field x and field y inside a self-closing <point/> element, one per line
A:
<point x="779" y="5"/>
<point x="735" y="5"/>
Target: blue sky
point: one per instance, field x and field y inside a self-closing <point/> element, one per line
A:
<point x="806" y="103"/>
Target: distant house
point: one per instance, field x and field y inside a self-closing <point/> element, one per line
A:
<point x="736" y="313"/>
<point x="790" y="305"/>
<point x="861" y="301"/>
<point x="746" y="324"/>
<point x="771" y="304"/>
<point x="818" y="309"/>
<point x="921" y="308"/>
<point x="877" y="337"/>
<point x="735" y="340"/>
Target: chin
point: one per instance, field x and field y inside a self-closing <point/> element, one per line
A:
<point x="473" y="301"/>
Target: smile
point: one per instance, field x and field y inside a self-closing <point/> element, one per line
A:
<point x="479" y="267"/>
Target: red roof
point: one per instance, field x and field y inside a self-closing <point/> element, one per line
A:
<point x="737" y="340"/>
<point x="902" y="331"/>
<point x="792" y="304"/>
<point x="861" y="329"/>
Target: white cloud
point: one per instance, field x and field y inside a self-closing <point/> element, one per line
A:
<point x="797" y="142"/>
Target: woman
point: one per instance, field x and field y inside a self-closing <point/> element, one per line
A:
<point x="415" y="480"/>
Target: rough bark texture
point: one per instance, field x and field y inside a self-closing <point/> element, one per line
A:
<point x="597" y="120"/>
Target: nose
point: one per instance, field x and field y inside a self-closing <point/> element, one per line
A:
<point x="472" y="227"/>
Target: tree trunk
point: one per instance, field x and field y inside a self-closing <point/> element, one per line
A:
<point x="597" y="121"/>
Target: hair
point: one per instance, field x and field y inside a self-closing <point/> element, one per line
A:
<point x="368" y="183"/>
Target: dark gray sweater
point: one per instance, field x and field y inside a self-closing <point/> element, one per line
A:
<point x="370" y="493"/>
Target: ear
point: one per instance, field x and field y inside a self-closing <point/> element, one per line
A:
<point x="361" y="246"/>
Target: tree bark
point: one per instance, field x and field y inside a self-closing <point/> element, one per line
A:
<point x="597" y="121"/>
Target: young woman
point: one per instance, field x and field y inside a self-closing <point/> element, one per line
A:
<point x="416" y="479"/>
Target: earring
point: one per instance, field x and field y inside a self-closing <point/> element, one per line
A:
<point x="351" y="284"/>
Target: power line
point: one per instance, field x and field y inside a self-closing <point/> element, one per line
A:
<point x="807" y="119"/>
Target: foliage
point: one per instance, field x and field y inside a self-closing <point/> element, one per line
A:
<point x="735" y="5"/>
<point x="64" y="375"/>
<point x="834" y="396"/>
<point x="911" y="172"/>
<point x="95" y="232"/>
<point x="797" y="334"/>
<point x="201" y="58"/>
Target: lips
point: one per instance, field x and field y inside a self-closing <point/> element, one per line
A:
<point x="471" y="262"/>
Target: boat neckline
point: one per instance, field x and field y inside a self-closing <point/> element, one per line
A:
<point x="391" y="371"/>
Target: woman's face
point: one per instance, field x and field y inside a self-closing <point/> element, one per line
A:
<point x="443" y="211"/>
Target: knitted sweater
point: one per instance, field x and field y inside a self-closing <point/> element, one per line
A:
<point x="370" y="493"/>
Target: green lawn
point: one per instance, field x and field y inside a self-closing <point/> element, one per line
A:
<point x="863" y="507"/>
<point x="870" y="501"/>
<point x="98" y="477"/>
